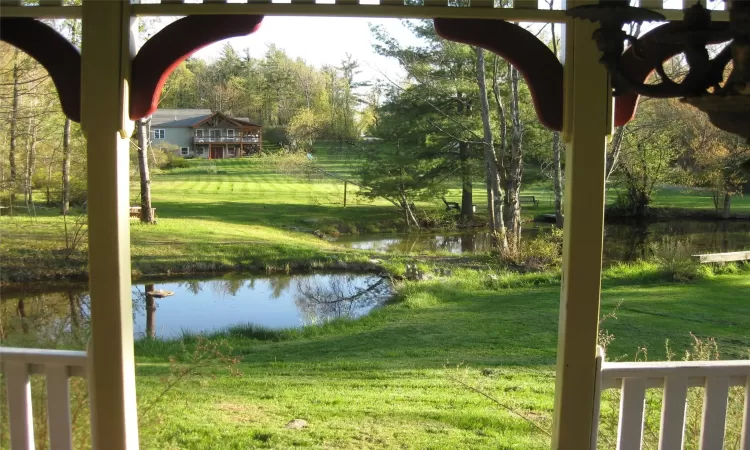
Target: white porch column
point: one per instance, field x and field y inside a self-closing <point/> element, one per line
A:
<point x="105" y="72"/>
<point x="587" y="122"/>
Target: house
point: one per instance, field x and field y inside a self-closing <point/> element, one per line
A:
<point x="201" y="133"/>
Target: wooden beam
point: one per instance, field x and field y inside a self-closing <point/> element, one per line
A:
<point x="586" y="124"/>
<point x="106" y="59"/>
<point x="723" y="257"/>
<point x="342" y="8"/>
<point x="387" y="8"/>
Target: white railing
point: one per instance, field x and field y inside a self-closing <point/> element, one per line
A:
<point x="634" y="379"/>
<point x="17" y="365"/>
<point x="204" y="140"/>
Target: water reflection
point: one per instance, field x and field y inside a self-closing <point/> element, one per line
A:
<point x="338" y="297"/>
<point x="623" y="241"/>
<point x="53" y="319"/>
<point x="45" y="320"/>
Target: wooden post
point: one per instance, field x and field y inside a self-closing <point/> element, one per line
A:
<point x="104" y="106"/>
<point x="587" y="122"/>
<point x="345" y="184"/>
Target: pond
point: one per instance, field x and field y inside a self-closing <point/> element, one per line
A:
<point x="197" y="306"/>
<point x="622" y="241"/>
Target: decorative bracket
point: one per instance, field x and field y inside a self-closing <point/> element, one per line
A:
<point x="150" y="68"/>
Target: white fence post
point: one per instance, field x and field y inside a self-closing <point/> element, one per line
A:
<point x="19" y="405"/>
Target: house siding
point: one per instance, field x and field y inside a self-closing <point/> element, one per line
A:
<point x="178" y="137"/>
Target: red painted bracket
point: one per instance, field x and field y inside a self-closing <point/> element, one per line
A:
<point x="161" y="54"/>
<point x="150" y="69"/>
<point x="56" y="54"/>
<point x="537" y="64"/>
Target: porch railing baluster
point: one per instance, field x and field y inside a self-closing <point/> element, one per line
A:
<point x="675" y="378"/>
<point x="714" y="412"/>
<point x="630" y="429"/>
<point x="17" y="365"/>
<point x="673" y="413"/>
<point x="19" y="405"/>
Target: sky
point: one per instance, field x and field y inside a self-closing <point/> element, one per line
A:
<point x="326" y="40"/>
<point x="322" y="41"/>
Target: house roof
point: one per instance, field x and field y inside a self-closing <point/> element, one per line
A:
<point x="178" y="118"/>
<point x="182" y="118"/>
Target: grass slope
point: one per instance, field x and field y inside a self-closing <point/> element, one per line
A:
<point x="385" y="381"/>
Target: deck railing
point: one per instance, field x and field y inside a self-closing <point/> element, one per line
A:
<point x="634" y="379"/>
<point x="17" y="365"/>
<point x="226" y="139"/>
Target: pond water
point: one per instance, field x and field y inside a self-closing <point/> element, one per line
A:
<point x="200" y="305"/>
<point x="622" y="242"/>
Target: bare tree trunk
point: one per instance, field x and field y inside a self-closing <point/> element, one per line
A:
<point x="13" y="131"/>
<point x="515" y="171"/>
<point x="614" y="152"/>
<point x="467" y="190"/>
<point x="28" y="188"/>
<point x="65" y="207"/>
<point x="557" y="177"/>
<point x="494" y="192"/>
<point x="49" y="176"/>
<point x="500" y="153"/>
<point x="556" y="150"/>
<point x="725" y="212"/>
<point x="142" y="133"/>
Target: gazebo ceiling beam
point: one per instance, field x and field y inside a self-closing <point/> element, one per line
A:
<point x="327" y="10"/>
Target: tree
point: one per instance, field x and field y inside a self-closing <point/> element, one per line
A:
<point x="442" y="85"/>
<point x="649" y="152"/>
<point x="304" y="129"/>
<point x="142" y="129"/>
<point x="711" y="158"/>
<point x="65" y="200"/>
<point x="494" y="190"/>
<point x="515" y="168"/>
<point x="395" y="169"/>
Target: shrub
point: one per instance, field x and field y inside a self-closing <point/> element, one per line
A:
<point x="542" y="253"/>
<point x="676" y="262"/>
<point x="176" y="162"/>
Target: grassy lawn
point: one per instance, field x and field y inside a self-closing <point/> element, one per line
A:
<point x="389" y="380"/>
<point x="213" y="216"/>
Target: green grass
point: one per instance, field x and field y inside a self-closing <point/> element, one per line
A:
<point x="687" y="198"/>
<point x="386" y="380"/>
<point x="252" y="215"/>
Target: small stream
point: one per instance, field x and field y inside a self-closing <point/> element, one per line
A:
<point x="275" y="301"/>
<point x="622" y="241"/>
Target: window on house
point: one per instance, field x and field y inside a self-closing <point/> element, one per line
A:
<point x="199" y="133"/>
<point x="230" y="133"/>
<point x="184" y="151"/>
<point x="158" y="133"/>
<point x="231" y="150"/>
<point x="215" y="133"/>
<point x="199" y="151"/>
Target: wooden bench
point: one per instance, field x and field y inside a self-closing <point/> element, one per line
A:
<point x="451" y="205"/>
<point x="723" y="257"/>
<point x="135" y="212"/>
<point x="528" y="199"/>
